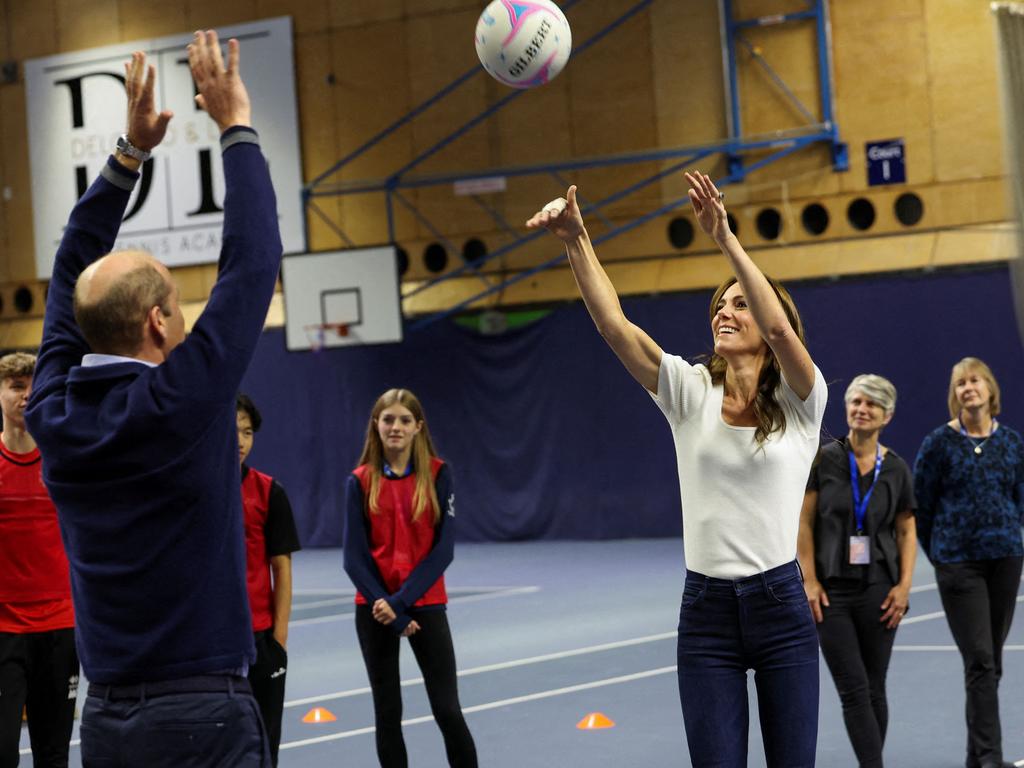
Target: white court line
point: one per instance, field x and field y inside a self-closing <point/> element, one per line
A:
<point x="946" y="648"/>
<point x="492" y="705"/>
<point x="937" y="614"/>
<point x="500" y="665"/>
<point x="472" y="598"/>
<point x="596" y="649"/>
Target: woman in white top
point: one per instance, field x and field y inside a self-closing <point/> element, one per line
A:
<point x="746" y="430"/>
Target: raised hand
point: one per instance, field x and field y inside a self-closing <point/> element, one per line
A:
<point x="221" y="90"/>
<point x="708" y="205"/>
<point x="146" y="128"/>
<point x="561" y="217"/>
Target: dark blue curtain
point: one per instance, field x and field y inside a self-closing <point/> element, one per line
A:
<point x="549" y="437"/>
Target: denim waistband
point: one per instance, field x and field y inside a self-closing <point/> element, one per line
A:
<point x="774" y="575"/>
<point x="212" y="683"/>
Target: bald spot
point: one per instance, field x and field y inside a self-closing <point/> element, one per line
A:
<point x="97" y="279"/>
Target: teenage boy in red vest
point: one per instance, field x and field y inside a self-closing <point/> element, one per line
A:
<point x="270" y="539"/>
<point x="38" y="662"/>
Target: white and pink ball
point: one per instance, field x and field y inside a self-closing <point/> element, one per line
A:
<point x="523" y="43"/>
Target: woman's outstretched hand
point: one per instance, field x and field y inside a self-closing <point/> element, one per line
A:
<point x="561" y="217"/>
<point x="708" y="205"/>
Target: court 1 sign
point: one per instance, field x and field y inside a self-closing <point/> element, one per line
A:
<point x="886" y="162"/>
<point x="76" y="111"/>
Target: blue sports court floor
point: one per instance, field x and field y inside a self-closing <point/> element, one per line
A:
<point x="546" y="633"/>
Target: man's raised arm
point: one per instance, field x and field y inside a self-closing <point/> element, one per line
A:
<point x="94" y="223"/>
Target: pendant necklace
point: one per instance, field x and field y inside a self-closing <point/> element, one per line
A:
<point x="977" y="445"/>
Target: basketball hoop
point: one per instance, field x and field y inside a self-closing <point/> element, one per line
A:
<point x="319" y="334"/>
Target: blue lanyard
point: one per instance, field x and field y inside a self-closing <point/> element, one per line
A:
<point x="860" y="506"/>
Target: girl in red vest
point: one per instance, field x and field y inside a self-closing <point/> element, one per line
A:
<point x="399" y="538"/>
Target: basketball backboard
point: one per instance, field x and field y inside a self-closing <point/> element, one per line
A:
<point x="341" y="298"/>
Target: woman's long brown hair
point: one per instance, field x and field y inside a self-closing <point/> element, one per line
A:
<point x="767" y="411"/>
<point x="423" y="451"/>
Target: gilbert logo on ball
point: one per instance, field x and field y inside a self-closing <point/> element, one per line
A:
<point x="523" y="44"/>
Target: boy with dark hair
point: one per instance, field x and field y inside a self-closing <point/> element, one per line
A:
<point x="270" y="538"/>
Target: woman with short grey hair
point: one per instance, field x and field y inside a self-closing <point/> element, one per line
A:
<point x="857" y="548"/>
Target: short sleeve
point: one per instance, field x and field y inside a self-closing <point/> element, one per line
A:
<point x="681" y="388"/>
<point x="810" y="412"/>
<point x="907" y="499"/>
<point x="279" y="530"/>
<point x="813" y="480"/>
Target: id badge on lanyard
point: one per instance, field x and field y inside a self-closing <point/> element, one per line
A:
<point x="860" y="544"/>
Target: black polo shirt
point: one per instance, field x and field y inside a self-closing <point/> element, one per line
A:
<point x="835" y="523"/>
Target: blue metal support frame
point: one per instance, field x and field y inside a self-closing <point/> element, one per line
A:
<point x="732" y="30"/>
<point x="735" y="148"/>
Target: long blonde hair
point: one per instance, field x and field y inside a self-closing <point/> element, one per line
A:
<point x="769" y="414"/>
<point x="422" y="452"/>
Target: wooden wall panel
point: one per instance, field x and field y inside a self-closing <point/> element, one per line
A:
<point x="687" y="81"/>
<point x="210" y="15"/>
<point x="36" y="28"/>
<point x="319" y="143"/>
<point x="612" y="105"/>
<point x="882" y="81"/>
<point x="87" y="25"/>
<point x="923" y="70"/>
<point x="308" y="16"/>
<point x="371" y="91"/>
<point x="964" y="89"/>
<point x="140" y="21"/>
<point x="433" y="63"/>
<point x="358" y="13"/>
<point x="18" y="261"/>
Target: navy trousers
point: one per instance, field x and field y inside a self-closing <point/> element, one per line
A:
<point x="208" y="721"/>
<point x="727" y="627"/>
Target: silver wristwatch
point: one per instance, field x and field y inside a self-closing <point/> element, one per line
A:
<point x="125" y="147"/>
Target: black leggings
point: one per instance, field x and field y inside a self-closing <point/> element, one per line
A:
<point x="39" y="671"/>
<point x="857" y="648"/>
<point x="432" y="645"/>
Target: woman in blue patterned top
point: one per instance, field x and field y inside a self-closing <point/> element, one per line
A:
<point x="969" y="483"/>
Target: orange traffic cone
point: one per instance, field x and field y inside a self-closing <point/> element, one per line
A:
<point x="594" y="721"/>
<point x="319" y="715"/>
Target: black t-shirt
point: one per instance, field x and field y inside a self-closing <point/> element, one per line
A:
<point x="279" y="529"/>
<point x="835" y="522"/>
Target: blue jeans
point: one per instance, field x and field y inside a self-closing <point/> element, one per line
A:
<point x="126" y="728"/>
<point x="726" y="627"/>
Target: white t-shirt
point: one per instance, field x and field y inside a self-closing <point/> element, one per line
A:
<point x="741" y="501"/>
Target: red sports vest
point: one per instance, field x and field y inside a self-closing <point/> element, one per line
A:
<point x="256" y="504"/>
<point x="35" y="589"/>
<point x="397" y="542"/>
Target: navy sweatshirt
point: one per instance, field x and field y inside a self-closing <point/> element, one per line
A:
<point x="142" y="462"/>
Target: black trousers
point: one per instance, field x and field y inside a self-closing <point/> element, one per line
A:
<point x="38" y="672"/>
<point x="979" y="598"/>
<point x="266" y="677"/>
<point x="435" y="655"/>
<point x="857" y="648"/>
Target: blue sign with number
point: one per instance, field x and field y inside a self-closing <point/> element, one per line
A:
<point x="886" y="162"/>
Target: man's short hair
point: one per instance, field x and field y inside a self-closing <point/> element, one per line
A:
<point x="17" y="364"/>
<point x="244" y="404"/>
<point x="113" y="324"/>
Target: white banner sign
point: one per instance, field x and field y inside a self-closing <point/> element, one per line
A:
<point x="77" y="109"/>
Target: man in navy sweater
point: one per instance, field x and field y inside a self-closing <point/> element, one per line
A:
<point x="136" y="426"/>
